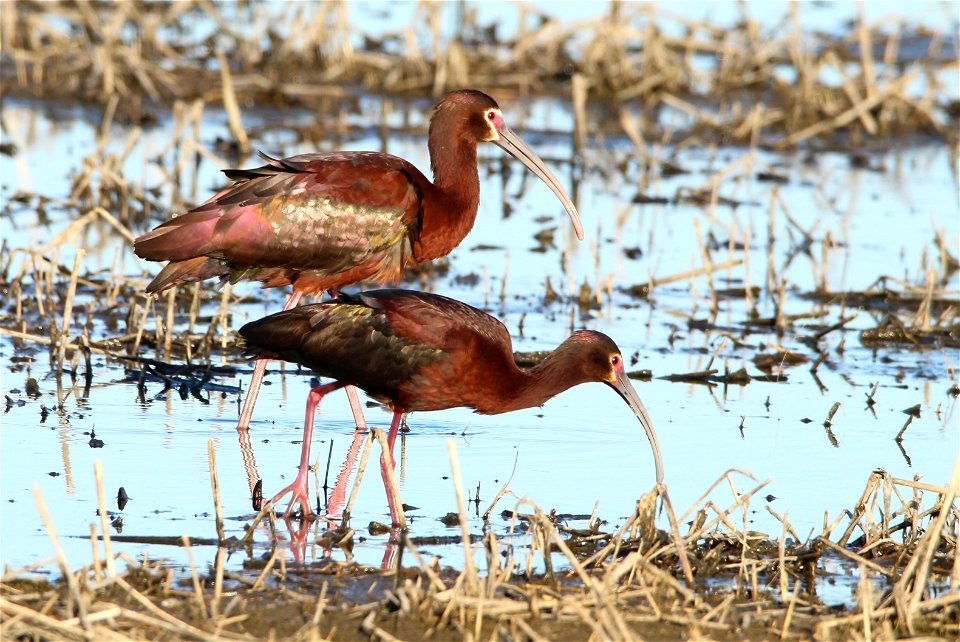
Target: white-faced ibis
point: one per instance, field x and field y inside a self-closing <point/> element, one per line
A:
<point x="417" y="351"/>
<point x="321" y="222"/>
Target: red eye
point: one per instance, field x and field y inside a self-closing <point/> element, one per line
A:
<point x="614" y="360"/>
<point x="491" y="115"/>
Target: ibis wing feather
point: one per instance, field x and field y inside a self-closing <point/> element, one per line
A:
<point x="431" y="321"/>
<point x="325" y="214"/>
<point x="343" y="339"/>
<point x="393" y="344"/>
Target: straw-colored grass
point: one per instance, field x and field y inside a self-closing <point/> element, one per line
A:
<point x="622" y="77"/>
<point x="730" y="85"/>
<point x="608" y="586"/>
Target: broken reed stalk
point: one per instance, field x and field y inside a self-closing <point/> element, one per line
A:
<point x="218" y="581"/>
<point x="918" y="568"/>
<point x="860" y="506"/>
<point x="694" y="273"/>
<point x="468" y="568"/>
<point x="503" y="281"/>
<point x="215" y="488"/>
<point x="104" y="519"/>
<point x="833" y="410"/>
<point x="169" y="622"/>
<point x="783" y="520"/>
<point x="578" y="87"/>
<point x="861" y="561"/>
<point x="195" y="577"/>
<point x="906" y="425"/>
<point x="747" y="288"/>
<point x="267" y="568"/>
<point x="895" y="87"/>
<point x="76" y="598"/>
<point x="781" y="556"/>
<point x="503" y="489"/>
<point x="223" y="316"/>
<point x="68" y="310"/>
<point x="50" y="627"/>
<point x="428" y="570"/>
<point x="95" y="552"/>
<point x="141" y="323"/>
<point x="35" y="338"/>
<point x="168" y="325"/>
<point x="721" y="516"/>
<point x="788" y="617"/>
<point x="679" y="542"/>
<point x="708" y="268"/>
<point x="230" y="105"/>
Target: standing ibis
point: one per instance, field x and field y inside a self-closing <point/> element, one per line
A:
<point x="418" y="351"/>
<point x="321" y="222"/>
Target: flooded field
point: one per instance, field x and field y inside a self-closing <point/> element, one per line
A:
<point x="787" y="296"/>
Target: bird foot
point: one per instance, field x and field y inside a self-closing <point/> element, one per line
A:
<point x="300" y="495"/>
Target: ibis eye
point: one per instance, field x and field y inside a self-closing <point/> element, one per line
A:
<point x="491" y="115"/>
<point x="614" y="360"/>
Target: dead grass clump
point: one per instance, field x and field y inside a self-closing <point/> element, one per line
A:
<point x="740" y="584"/>
<point x="747" y="84"/>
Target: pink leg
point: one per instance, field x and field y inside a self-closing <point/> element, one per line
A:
<point x="355" y="407"/>
<point x="391" y="438"/>
<point x="299" y="487"/>
<point x="247" y="413"/>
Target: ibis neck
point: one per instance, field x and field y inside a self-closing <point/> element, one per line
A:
<point x="450" y="210"/>
<point x="534" y="386"/>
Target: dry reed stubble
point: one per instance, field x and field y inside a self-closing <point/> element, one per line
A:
<point x="625" y="57"/>
<point x="615" y="600"/>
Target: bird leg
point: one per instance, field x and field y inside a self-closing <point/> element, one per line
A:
<point x="355" y="408"/>
<point x="246" y="414"/>
<point x="384" y="463"/>
<point x="258" y="371"/>
<point x="299" y="488"/>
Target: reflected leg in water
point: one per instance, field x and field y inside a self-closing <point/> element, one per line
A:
<point x="390" y="559"/>
<point x="299" y="532"/>
<point x="338" y="498"/>
<point x="250" y="466"/>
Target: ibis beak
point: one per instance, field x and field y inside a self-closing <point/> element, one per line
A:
<point x="625" y="389"/>
<point x="513" y="145"/>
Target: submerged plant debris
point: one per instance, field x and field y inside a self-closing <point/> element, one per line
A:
<point x="639" y="98"/>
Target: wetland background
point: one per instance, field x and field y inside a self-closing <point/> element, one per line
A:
<point x="771" y="206"/>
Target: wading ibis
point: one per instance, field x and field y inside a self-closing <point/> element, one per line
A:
<point x="417" y="351"/>
<point x="321" y="222"/>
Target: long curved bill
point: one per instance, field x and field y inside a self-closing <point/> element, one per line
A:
<point x="513" y="145"/>
<point x="625" y="389"/>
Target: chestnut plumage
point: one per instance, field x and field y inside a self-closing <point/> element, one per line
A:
<point x="321" y="222"/>
<point x="416" y="351"/>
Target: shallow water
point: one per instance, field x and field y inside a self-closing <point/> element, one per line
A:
<point x="581" y="452"/>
